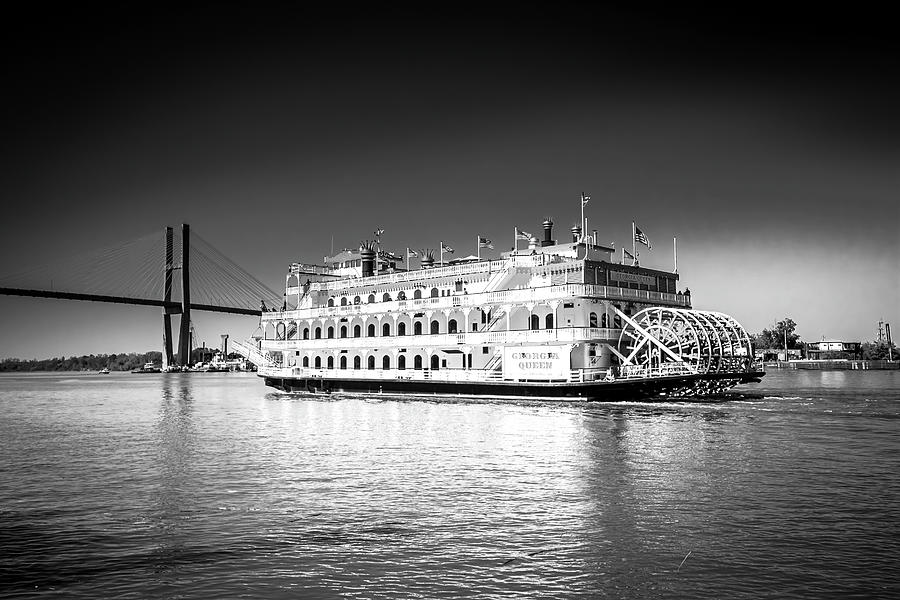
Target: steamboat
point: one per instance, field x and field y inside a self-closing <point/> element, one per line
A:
<point x="553" y="320"/>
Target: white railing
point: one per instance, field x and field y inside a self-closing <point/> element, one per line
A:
<point x="471" y="338"/>
<point x="520" y="296"/>
<point x="395" y="374"/>
<point x="405" y="276"/>
<point x="461" y="375"/>
<point x="449" y="375"/>
<point x="437" y="272"/>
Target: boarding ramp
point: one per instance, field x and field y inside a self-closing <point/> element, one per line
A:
<point x="248" y="350"/>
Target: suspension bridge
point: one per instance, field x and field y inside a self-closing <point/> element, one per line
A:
<point x="143" y="272"/>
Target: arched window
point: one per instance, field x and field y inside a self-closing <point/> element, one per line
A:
<point x="592" y="320"/>
<point x="357" y="300"/>
<point x="401" y="328"/>
<point x="548" y="322"/>
<point x="305" y="361"/>
<point x="417" y="328"/>
<point x="330" y="361"/>
<point x="535" y="322"/>
<point x="306" y="333"/>
<point x="386" y="297"/>
<point x="401" y="296"/>
<point x="318" y="362"/>
<point x="343" y="362"/>
<point x="357" y="362"/>
<point x="435" y="327"/>
<point x="434" y="293"/>
<point x="343" y="300"/>
<point x="386" y="362"/>
<point x="343" y="331"/>
<point x="330" y="332"/>
<point x="451" y="326"/>
<point x="371" y="298"/>
<point x="357" y="331"/>
<point x="417" y="363"/>
<point x="435" y="362"/>
<point x="371" y="363"/>
<point x="401" y="362"/>
<point x="386" y="330"/>
<point x="604" y="320"/>
<point x="331" y="302"/>
<point x="617" y="322"/>
<point x="417" y="294"/>
<point x="318" y="333"/>
<point x="370" y="330"/>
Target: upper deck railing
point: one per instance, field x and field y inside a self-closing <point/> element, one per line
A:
<point x="487" y="266"/>
<point x="517" y="296"/>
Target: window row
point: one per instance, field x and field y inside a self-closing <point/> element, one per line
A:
<point x="344" y="331"/>
<point x="329" y="362"/>
<point x="417" y="294"/>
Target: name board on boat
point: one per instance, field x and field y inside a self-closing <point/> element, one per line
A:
<point x="632" y="277"/>
<point x="536" y="362"/>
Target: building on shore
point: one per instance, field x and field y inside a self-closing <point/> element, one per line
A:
<point x="833" y="349"/>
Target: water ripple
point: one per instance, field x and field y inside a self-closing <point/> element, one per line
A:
<point x="210" y="487"/>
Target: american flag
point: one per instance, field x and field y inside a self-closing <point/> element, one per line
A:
<point x="640" y="237"/>
<point x="522" y="235"/>
<point x="483" y="242"/>
<point x="447" y="248"/>
<point x="410" y="252"/>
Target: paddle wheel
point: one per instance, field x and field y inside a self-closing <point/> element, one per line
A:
<point x="660" y="340"/>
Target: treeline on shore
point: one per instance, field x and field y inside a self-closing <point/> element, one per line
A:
<point x="90" y="362"/>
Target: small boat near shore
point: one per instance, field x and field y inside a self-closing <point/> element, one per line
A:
<point x="148" y="368"/>
<point x="103" y="371"/>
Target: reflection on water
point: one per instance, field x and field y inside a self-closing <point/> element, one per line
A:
<point x="173" y="494"/>
<point x="833" y="379"/>
<point x="209" y="486"/>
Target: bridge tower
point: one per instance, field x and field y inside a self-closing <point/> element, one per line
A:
<point x="168" y="357"/>
<point x="184" y="336"/>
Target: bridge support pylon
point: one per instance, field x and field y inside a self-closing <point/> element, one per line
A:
<point x="184" y="336"/>
<point x="168" y="356"/>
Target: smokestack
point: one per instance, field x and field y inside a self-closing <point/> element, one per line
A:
<point x="548" y="233"/>
<point x="427" y="260"/>
<point x="367" y="252"/>
<point x="576" y="233"/>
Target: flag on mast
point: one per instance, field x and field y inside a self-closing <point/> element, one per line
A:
<point x="522" y="235"/>
<point x="379" y="232"/>
<point x="627" y="254"/>
<point x="641" y="237"/>
<point x="585" y="199"/>
<point x="483" y="242"/>
<point x="410" y="253"/>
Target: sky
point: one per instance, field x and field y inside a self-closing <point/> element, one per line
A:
<point x="768" y="143"/>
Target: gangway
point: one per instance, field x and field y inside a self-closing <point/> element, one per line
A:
<point x="248" y="350"/>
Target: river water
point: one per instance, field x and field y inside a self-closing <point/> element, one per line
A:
<point x="212" y="486"/>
